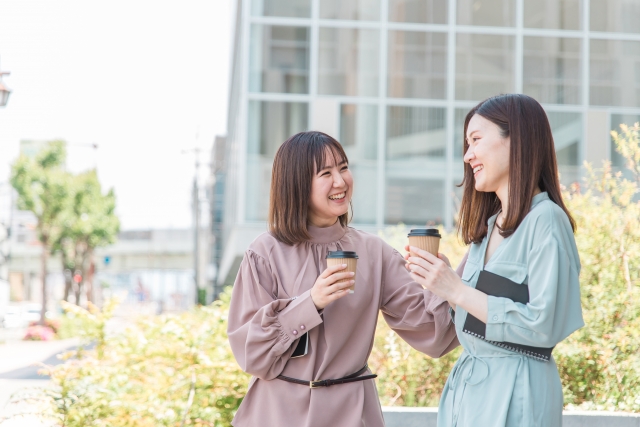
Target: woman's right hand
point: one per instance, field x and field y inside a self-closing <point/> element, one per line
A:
<point x="326" y="290"/>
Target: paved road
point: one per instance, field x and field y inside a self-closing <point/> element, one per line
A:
<point x="19" y="371"/>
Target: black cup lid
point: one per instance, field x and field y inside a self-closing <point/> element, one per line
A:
<point x="342" y="254"/>
<point x="425" y="232"/>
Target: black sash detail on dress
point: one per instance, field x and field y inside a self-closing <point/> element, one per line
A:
<point x="498" y="286"/>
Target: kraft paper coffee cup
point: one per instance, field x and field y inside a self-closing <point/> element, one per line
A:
<point x="427" y="239"/>
<point x="344" y="257"/>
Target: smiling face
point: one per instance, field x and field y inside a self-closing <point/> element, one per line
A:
<point x="331" y="190"/>
<point x="488" y="155"/>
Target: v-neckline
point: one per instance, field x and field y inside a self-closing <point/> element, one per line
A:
<point x="492" y="224"/>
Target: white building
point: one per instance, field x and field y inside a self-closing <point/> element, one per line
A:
<point x="393" y="80"/>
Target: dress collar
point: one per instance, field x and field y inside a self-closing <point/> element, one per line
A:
<point x="540" y="197"/>
<point x="326" y="234"/>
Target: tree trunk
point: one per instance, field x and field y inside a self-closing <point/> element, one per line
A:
<point x="89" y="275"/>
<point x="68" y="278"/>
<point x="44" y="257"/>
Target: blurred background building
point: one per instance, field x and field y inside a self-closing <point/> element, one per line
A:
<point x="392" y="80"/>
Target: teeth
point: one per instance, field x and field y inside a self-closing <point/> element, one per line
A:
<point x="478" y="168"/>
<point x="338" y="196"/>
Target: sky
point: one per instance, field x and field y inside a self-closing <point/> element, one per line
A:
<point x="145" y="80"/>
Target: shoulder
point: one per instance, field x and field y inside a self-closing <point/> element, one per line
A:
<point x="549" y="223"/>
<point x="547" y="217"/>
<point x="263" y="245"/>
<point x="369" y="241"/>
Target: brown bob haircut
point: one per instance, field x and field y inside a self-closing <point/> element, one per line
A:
<point x="532" y="163"/>
<point x="295" y="163"/>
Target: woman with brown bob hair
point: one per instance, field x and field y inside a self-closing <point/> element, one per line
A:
<point x="519" y="295"/>
<point x="294" y="326"/>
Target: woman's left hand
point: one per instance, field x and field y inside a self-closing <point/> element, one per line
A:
<point x="434" y="274"/>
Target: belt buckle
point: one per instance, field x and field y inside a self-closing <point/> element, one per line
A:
<point x="316" y="384"/>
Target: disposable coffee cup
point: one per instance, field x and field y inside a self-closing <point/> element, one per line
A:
<point x="427" y="239"/>
<point x="344" y="257"/>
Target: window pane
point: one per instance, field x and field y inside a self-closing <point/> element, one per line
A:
<point x="368" y="10"/>
<point x="553" y="14"/>
<point x="617" y="161"/>
<point x="279" y="59"/>
<point x="421" y="11"/>
<point x="484" y="66"/>
<point x="415" y="165"/>
<point x="458" y="133"/>
<point x="552" y="71"/>
<point x="614" y="73"/>
<point x="359" y="137"/>
<point x="615" y="15"/>
<point x="417" y="64"/>
<point x="348" y="62"/>
<point x="567" y="137"/>
<point x="412" y="199"/>
<point x="291" y="8"/>
<point x="494" y="13"/>
<point x="269" y="125"/>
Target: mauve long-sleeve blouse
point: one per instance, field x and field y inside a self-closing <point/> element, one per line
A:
<point x="271" y="307"/>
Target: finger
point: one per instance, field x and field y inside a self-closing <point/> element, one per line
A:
<point x="332" y="269"/>
<point x="416" y="269"/>
<point x="421" y="262"/>
<point x="339" y="276"/>
<point x="444" y="258"/>
<point x="425" y="255"/>
<point x="340" y="285"/>
<point x="337" y="295"/>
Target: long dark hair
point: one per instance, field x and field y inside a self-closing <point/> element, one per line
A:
<point x="294" y="165"/>
<point x="532" y="163"/>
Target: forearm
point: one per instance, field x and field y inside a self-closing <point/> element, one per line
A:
<point x="473" y="301"/>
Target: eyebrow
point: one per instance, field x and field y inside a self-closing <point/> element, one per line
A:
<point x="471" y="134"/>
<point x="344" y="162"/>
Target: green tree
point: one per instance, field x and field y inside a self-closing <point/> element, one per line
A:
<point x="42" y="185"/>
<point x="89" y="222"/>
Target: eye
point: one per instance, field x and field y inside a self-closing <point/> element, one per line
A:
<point x="344" y="168"/>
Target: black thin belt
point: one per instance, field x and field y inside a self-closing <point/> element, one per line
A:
<point x="326" y="383"/>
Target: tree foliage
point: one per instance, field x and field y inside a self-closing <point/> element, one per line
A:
<point x="88" y="222"/>
<point x="42" y="185"/>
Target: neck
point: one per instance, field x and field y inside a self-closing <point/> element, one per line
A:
<point x="503" y="195"/>
<point x="322" y="222"/>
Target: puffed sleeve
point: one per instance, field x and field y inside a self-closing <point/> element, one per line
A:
<point x="418" y="316"/>
<point x="261" y="326"/>
<point x="553" y="311"/>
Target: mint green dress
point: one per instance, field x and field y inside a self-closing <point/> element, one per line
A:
<point x="490" y="386"/>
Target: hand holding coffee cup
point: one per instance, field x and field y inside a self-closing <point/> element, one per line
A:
<point x="427" y="239"/>
<point x="344" y="257"/>
<point x="332" y="284"/>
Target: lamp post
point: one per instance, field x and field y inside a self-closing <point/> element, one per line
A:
<point x="4" y="90"/>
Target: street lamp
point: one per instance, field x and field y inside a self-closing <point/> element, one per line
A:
<point x="4" y="90"/>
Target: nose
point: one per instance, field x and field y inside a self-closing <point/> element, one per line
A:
<point x="338" y="181"/>
<point x="469" y="155"/>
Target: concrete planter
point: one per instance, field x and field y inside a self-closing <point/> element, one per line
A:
<point x="427" y="417"/>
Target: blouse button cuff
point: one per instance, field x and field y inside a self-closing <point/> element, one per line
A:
<point x="294" y="332"/>
<point x="302" y="327"/>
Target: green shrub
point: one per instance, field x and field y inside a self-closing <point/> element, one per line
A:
<point x="166" y="371"/>
<point x="179" y="370"/>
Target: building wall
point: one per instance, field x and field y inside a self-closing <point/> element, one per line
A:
<point x="393" y="80"/>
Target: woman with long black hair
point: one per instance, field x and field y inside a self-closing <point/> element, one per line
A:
<point x="519" y="295"/>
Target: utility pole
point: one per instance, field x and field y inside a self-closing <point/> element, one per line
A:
<point x="195" y="205"/>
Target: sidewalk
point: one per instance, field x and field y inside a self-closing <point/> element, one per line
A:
<point x="18" y="371"/>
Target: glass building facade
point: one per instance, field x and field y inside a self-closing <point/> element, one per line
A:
<point x="394" y="79"/>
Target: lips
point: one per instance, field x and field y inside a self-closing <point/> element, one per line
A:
<point x="338" y="196"/>
<point x="477" y="169"/>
